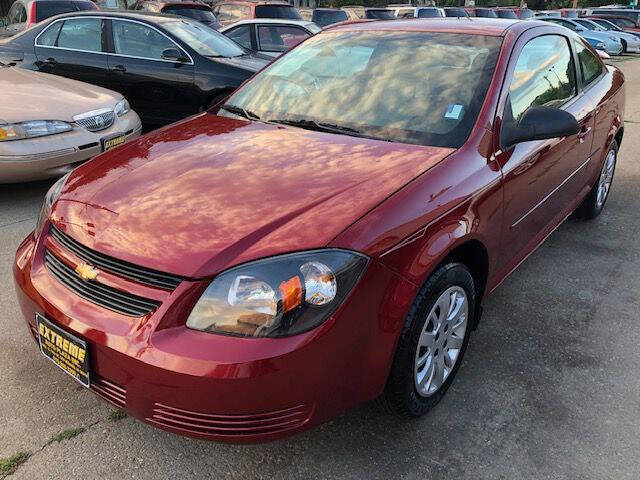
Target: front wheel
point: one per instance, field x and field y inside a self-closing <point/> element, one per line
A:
<point x="593" y="204"/>
<point x="432" y="343"/>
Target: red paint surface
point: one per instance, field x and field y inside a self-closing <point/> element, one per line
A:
<point x="208" y="193"/>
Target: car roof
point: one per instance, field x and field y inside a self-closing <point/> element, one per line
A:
<point x="277" y="3"/>
<point x="150" y="17"/>
<point x="470" y="25"/>
<point x="281" y="21"/>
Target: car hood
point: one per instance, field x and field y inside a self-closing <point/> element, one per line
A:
<point x="40" y="96"/>
<point x="211" y="192"/>
<point x="602" y="36"/>
<point x="250" y="62"/>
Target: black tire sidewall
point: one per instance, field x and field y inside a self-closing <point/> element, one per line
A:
<point x="400" y="392"/>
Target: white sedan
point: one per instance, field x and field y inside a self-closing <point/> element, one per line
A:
<point x="270" y="36"/>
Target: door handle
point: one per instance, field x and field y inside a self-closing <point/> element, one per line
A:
<point x="118" y="68"/>
<point x="583" y="134"/>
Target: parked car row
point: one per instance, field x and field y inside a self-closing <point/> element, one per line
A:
<point x="325" y="235"/>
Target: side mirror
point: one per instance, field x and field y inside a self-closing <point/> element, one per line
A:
<point x="2" y="23"/>
<point x="539" y="123"/>
<point x="603" y="55"/>
<point x="173" y="54"/>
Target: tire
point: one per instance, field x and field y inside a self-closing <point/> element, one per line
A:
<point x="595" y="201"/>
<point x="624" y="46"/>
<point x="407" y="390"/>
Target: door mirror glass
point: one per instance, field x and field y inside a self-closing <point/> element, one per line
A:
<point x="3" y="23"/>
<point x="173" y="54"/>
<point x="539" y="123"/>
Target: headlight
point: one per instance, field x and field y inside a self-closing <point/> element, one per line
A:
<point x="49" y="199"/>
<point x="37" y="128"/>
<point x="122" y="107"/>
<point x="600" y="46"/>
<point x="278" y="296"/>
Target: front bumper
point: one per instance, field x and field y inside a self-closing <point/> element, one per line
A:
<point x="54" y="155"/>
<point x="217" y="387"/>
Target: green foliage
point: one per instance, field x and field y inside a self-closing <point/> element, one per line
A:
<point x="66" y="434"/>
<point x="116" y="415"/>
<point x="9" y="465"/>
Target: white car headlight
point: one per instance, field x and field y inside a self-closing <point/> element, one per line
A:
<point x="122" y="107"/>
<point x="278" y="296"/>
<point x="32" y="129"/>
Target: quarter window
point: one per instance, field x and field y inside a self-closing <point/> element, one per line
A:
<point x="544" y="75"/>
<point x="81" y="34"/>
<point x="137" y="40"/>
<point x="590" y="65"/>
<point x="241" y="35"/>
<point x="50" y="35"/>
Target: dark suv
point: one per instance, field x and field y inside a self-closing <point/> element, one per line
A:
<point x="25" y="13"/>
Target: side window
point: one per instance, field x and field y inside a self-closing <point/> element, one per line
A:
<point x="277" y="38"/>
<point x="241" y="35"/>
<point x="137" y="40"/>
<point x="50" y="35"/>
<point x="544" y="75"/>
<point x="590" y="65"/>
<point x="81" y="34"/>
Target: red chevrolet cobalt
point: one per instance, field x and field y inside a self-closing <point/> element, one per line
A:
<point x="325" y="236"/>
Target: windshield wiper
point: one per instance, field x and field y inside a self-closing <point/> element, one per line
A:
<point x="324" y="127"/>
<point x="240" y="111"/>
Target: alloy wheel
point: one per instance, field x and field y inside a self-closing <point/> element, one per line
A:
<point x="606" y="177"/>
<point x="441" y="340"/>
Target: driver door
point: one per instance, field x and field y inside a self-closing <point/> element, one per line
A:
<point x="542" y="178"/>
<point x="161" y="91"/>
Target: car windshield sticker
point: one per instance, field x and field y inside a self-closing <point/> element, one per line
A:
<point x="453" y="111"/>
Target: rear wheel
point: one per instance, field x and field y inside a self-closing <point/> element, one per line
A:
<point x="624" y="46"/>
<point x="432" y="343"/>
<point x="592" y="206"/>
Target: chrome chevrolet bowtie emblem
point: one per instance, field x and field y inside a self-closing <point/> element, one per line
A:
<point x="86" y="272"/>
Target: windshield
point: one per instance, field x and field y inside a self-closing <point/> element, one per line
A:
<point x="411" y="87"/>
<point x="277" y="11"/>
<point x="506" y="14"/>
<point x="587" y="25"/>
<point x="456" y="12"/>
<point x="205" y="41"/>
<point x="202" y="14"/>
<point x="322" y="18"/>
<point x="381" y="14"/>
<point x="525" y="14"/>
<point x="429" y="13"/>
<point x="608" y="25"/>
<point x="485" y="12"/>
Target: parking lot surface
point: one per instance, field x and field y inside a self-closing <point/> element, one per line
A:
<point x="549" y="387"/>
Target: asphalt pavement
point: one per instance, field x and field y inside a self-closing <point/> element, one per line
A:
<point x="549" y="388"/>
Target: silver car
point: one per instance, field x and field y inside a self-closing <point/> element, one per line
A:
<point x="630" y="42"/>
<point x="50" y="124"/>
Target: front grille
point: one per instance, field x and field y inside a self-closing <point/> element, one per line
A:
<point x="96" y="120"/>
<point x="142" y="275"/>
<point x="241" y="425"/>
<point x="95" y="292"/>
<point x="111" y="392"/>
